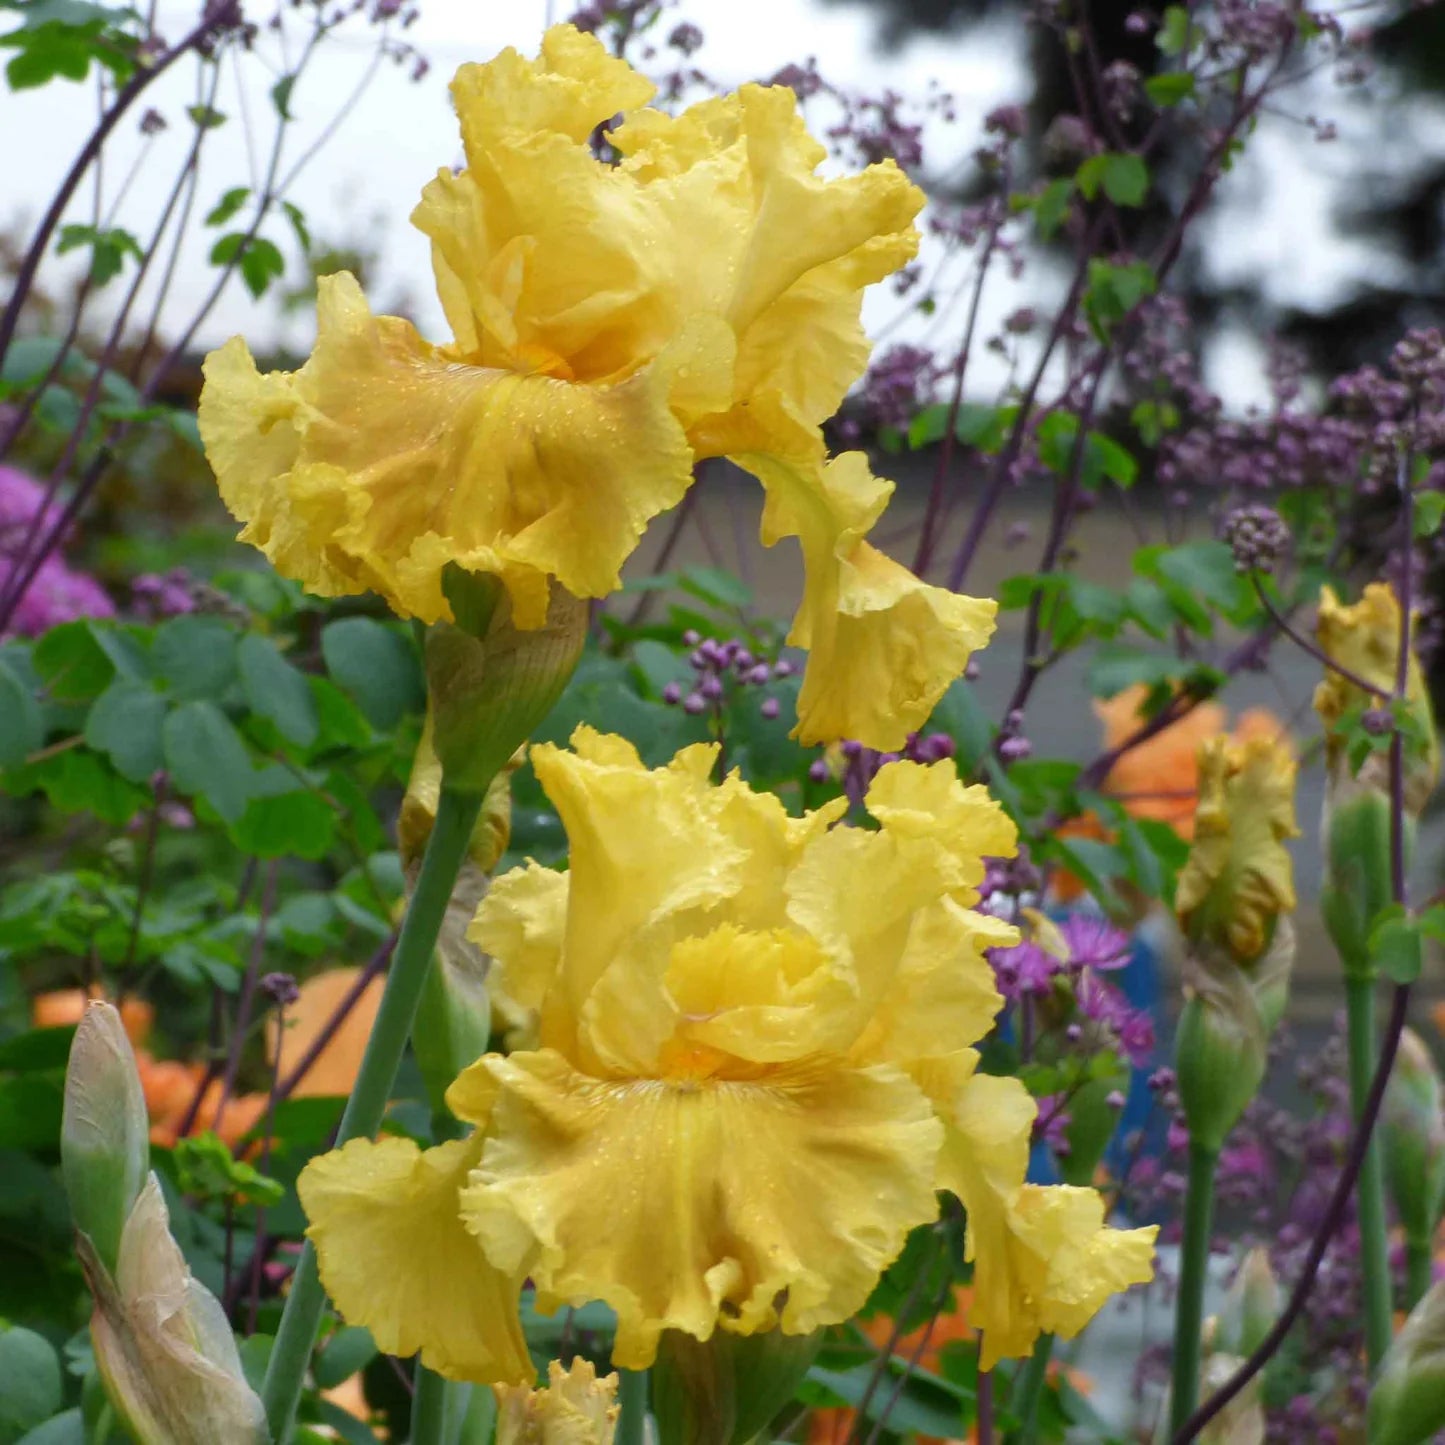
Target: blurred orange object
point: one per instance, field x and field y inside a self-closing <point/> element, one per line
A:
<point x="170" y="1086"/>
<point x="65" y="1005"/>
<point x="1160" y="778"/>
<point x="335" y="1069"/>
<point x="834" y="1426"/>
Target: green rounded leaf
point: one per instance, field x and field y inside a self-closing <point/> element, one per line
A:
<point x="276" y="690"/>
<point x="30" y="1382"/>
<point x="207" y="759"/>
<point x="22" y="726"/>
<point x="377" y="665"/>
<point x="196" y="656"/>
<point x="126" y="723"/>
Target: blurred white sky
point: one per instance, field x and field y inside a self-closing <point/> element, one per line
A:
<point x="1274" y="222"/>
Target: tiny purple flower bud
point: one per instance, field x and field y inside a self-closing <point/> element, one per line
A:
<point x="770" y="707"/>
<point x="744" y="658"/>
<point x="938" y="746"/>
<point x="852" y="747"/>
<point x="672" y="693"/>
<point x="711" y="687"/>
<point x="282" y="988"/>
<point x="728" y="652"/>
<point x="1377" y="721"/>
<point x="1115" y="1099"/>
<point x="698" y="660"/>
<point x="758" y="673"/>
<point x="1073" y="1033"/>
<point x="694" y="703"/>
<point x="691" y="637"/>
<point x="782" y="668"/>
<point x="1015" y="750"/>
<point x="818" y="770"/>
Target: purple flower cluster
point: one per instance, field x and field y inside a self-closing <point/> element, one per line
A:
<point x="719" y="666"/>
<point x="57" y="593"/>
<point x="860" y="765"/>
<point x="156" y="595"/>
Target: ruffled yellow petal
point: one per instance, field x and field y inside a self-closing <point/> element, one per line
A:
<point x="381" y="461"/>
<point x="797" y="266"/>
<point x="643" y="844"/>
<point x="927" y="804"/>
<point x="576" y="1408"/>
<point x="1067" y="1261"/>
<point x="750" y="1205"/>
<point x="519" y="925"/>
<point x="1239" y="877"/>
<point x="1044" y="1261"/>
<point x="395" y="1257"/>
<point x="943" y="993"/>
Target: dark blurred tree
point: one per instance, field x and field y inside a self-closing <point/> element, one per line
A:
<point x="1401" y="216"/>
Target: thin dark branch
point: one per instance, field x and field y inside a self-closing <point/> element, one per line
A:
<point x="136" y="86"/>
<point x="1333" y="1218"/>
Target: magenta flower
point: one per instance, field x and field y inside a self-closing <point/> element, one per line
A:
<point x="1095" y="943"/>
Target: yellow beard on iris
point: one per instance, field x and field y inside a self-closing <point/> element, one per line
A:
<point x="611" y="326"/>
<point x="753" y="1072"/>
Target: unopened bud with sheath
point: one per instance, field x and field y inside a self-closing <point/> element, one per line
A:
<point x="1233" y="902"/>
<point x="1413" y="1135"/>
<point x="1364" y="639"/>
<point x="104" y="1132"/>
<point x="489" y="682"/>
<point x="727" y="1389"/>
<point x="1407" y="1403"/>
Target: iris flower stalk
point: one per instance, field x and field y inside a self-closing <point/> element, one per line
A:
<point x="1233" y="901"/>
<point x="1375" y="675"/>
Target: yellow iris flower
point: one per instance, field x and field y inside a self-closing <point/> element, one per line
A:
<point x="612" y="326"/>
<point x="753" y="1071"/>
<point x="1364" y="637"/>
<point x="575" y="1408"/>
<point x="1239" y="878"/>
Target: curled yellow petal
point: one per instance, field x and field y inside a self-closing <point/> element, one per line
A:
<point x="749" y="1205"/>
<point x="883" y="646"/>
<point x="1239" y="877"/>
<point x="1044" y="1260"/>
<point x="381" y="461"/>
<point x="395" y="1257"/>
<point x="575" y="1408"/>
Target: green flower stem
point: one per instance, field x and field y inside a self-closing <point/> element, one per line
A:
<point x="1029" y="1390"/>
<point x="301" y="1319"/>
<point x="1370" y="1189"/>
<point x="632" y="1396"/>
<point x="1419" y="1266"/>
<point x="429" y="1408"/>
<point x="1193" y="1275"/>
